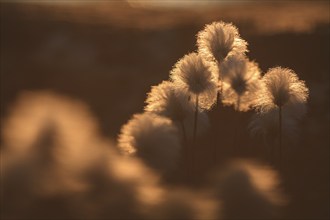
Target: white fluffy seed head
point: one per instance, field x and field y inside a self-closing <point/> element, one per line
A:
<point x="167" y="100"/>
<point x="281" y="86"/>
<point x="152" y="138"/>
<point x="241" y="82"/>
<point x="218" y="40"/>
<point x="198" y="77"/>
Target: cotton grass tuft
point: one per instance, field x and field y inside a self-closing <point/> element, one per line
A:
<point x="218" y="40"/>
<point x="198" y="77"/>
<point x="281" y="87"/>
<point x="152" y="138"/>
<point x="241" y="82"/>
<point x="167" y="100"/>
<point x="283" y="92"/>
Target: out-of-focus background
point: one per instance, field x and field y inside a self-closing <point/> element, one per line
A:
<point x="108" y="54"/>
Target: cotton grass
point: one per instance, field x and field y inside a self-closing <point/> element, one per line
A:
<point x="281" y="87"/>
<point x="152" y="138"/>
<point x="241" y="82"/>
<point x="282" y="91"/>
<point x="166" y="100"/>
<point x="218" y="40"/>
<point x="198" y="77"/>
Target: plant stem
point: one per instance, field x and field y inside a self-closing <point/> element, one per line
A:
<point x="221" y="88"/>
<point x="238" y="103"/>
<point x="194" y="139"/>
<point x="195" y="119"/>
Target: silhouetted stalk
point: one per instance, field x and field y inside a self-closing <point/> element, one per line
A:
<point x="219" y="93"/>
<point x="195" y="119"/>
<point x="194" y="138"/>
<point x="280" y="133"/>
<point x="221" y="89"/>
<point x="238" y="103"/>
<point x="218" y="98"/>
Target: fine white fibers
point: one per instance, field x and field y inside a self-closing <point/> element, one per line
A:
<point x="281" y="102"/>
<point x="241" y="82"/>
<point x="152" y="138"/>
<point x="167" y="100"/>
<point x="218" y="40"/>
<point x="281" y="86"/>
<point x="198" y="77"/>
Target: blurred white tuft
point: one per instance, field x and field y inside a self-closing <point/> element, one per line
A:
<point x="152" y="138"/>
<point x="249" y="190"/>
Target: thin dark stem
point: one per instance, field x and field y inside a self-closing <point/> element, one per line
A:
<point x="280" y="133"/>
<point x="194" y="138"/>
<point x="238" y="103"/>
<point x="218" y="99"/>
<point x="195" y="119"/>
<point x="221" y="88"/>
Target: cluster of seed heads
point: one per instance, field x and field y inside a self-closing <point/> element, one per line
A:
<point x="218" y="72"/>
